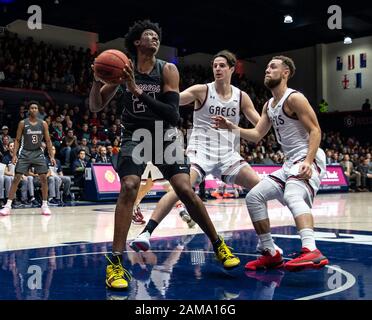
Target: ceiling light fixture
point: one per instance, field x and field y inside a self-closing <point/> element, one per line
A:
<point x="288" y="19"/>
<point x="348" y="40"/>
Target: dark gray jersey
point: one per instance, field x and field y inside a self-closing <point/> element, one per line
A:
<point x="32" y="135"/>
<point x="135" y="113"/>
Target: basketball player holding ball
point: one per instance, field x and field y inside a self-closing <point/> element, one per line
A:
<point x="150" y="94"/>
<point x="108" y="66"/>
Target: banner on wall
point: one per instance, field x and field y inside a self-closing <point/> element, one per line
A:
<point x="363" y="60"/>
<point x="350" y="62"/>
<point x="358" y="80"/>
<point x="355" y="82"/>
<point x="345" y="82"/>
<point x="339" y="64"/>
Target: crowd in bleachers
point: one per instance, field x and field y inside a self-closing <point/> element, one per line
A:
<point x="30" y="65"/>
<point x="354" y="157"/>
<point x="81" y="137"/>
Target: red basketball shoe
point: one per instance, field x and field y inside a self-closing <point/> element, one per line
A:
<point x="307" y="259"/>
<point x="266" y="261"/>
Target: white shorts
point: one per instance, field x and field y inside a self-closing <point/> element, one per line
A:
<point x="290" y="167"/>
<point x="224" y="167"/>
<point x="151" y="172"/>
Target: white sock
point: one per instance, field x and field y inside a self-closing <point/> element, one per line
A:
<point x="45" y="203"/>
<point x="260" y="246"/>
<point x="307" y="239"/>
<point x="9" y="204"/>
<point x="146" y="234"/>
<point x="267" y="242"/>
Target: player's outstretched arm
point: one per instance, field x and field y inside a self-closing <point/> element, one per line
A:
<point x="192" y="94"/>
<point x="298" y="103"/>
<point x="254" y="135"/>
<point x="248" y="109"/>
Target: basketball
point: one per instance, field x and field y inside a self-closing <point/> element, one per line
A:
<point x="109" y="65"/>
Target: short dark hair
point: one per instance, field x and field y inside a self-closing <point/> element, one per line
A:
<point x="228" y="55"/>
<point x="30" y="103"/>
<point x="289" y="63"/>
<point x="135" y="33"/>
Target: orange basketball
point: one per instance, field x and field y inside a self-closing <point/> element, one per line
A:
<point x="109" y="65"/>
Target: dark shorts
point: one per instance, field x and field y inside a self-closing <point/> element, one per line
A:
<point x="31" y="158"/>
<point x="168" y="156"/>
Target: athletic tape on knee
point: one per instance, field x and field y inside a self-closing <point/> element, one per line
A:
<point x="256" y="199"/>
<point x="296" y="198"/>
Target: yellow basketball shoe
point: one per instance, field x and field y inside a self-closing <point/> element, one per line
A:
<point x="116" y="276"/>
<point x="224" y="255"/>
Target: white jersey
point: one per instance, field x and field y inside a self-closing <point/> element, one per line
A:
<point x="204" y="136"/>
<point x="294" y="139"/>
<point x="289" y="131"/>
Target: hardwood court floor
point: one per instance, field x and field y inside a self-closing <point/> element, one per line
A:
<point x="68" y="248"/>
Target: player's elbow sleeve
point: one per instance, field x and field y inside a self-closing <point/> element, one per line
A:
<point x="172" y="99"/>
<point x="174" y="118"/>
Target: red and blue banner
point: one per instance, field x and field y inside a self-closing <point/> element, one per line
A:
<point x="363" y="60"/>
<point x="345" y="82"/>
<point x="350" y="62"/>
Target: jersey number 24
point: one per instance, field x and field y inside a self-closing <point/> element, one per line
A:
<point x="139" y="106"/>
